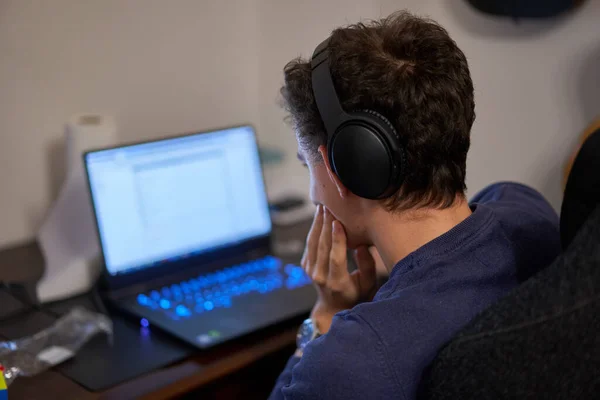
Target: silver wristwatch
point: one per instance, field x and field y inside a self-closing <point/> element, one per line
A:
<point x="307" y="332"/>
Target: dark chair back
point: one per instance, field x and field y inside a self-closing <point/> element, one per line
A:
<point x="542" y="341"/>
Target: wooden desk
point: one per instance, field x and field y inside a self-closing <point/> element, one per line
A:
<point x="25" y="264"/>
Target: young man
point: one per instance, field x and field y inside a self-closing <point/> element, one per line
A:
<point x="447" y="259"/>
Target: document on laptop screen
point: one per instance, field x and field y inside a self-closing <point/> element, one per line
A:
<point x="165" y="199"/>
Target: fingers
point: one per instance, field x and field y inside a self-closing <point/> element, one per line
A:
<point x="321" y="269"/>
<point x="325" y="253"/>
<point x="338" y="263"/>
<point x="309" y="257"/>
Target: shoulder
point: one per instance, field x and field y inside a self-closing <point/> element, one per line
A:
<point x="519" y="204"/>
<point x="516" y="196"/>
<point x="527" y="220"/>
<point x="349" y="361"/>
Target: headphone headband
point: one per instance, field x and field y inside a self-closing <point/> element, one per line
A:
<point x="328" y="104"/>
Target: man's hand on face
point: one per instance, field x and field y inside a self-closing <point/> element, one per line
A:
<point x="325" y="261"/>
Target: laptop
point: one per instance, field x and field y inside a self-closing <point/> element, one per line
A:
<point x="185" y="237"/>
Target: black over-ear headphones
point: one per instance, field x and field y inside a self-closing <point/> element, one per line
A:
<point x="363" y="147"/>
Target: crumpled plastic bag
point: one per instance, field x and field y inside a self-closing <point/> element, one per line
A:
<point x="34" y="354"/>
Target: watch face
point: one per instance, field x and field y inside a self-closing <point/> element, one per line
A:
<point x="305" y="334"/>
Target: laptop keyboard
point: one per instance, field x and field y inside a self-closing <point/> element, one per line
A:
<point x="218" y="289"/>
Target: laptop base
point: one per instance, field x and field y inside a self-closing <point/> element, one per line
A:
<point x="214" y="308"/>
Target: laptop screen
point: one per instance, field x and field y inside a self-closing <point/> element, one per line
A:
<point x="173" y="198"/>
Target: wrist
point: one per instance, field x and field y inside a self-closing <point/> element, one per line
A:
<point x="322" y="318"/>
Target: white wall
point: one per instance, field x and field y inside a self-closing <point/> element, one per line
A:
<point x="165" y="67"/>
<point x="160" y="67"/>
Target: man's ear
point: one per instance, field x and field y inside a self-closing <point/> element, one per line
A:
<point x="343" y="191"/>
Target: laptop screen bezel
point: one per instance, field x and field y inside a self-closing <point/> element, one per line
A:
<point x="256" y="245"/>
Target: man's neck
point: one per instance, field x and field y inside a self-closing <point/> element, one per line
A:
<point x="397" y="235"/>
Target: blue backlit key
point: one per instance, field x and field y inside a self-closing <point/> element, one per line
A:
<point x="165" y="304"/>
<point x="229" y="273"/>
<point x="271" y="264"/>
<point x="143" y="300"/>
<point x="217" y="289"/>
<point x="182" y="311"/>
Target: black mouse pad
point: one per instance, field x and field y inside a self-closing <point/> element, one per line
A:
<point x="134" y="352"/>
<point x="99" y="364"/>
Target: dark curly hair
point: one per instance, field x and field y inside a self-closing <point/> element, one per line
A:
<point x="410" y="70"/>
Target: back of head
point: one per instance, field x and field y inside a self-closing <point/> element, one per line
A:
<point x="409" y="70"/>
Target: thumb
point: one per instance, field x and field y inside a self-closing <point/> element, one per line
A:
<point x="367" y="274"/>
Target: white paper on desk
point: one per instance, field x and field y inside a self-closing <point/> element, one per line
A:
<point x="68" y="236"/>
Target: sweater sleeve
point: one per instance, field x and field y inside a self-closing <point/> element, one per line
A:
<point x="285" y="378"/>
<point x="348" y="362"/>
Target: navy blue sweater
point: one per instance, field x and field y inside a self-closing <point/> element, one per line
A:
<point x="378" y="350"/>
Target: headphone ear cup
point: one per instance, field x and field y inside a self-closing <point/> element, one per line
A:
<point x="397" y="149"/>
<point x="365" y="154"/>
